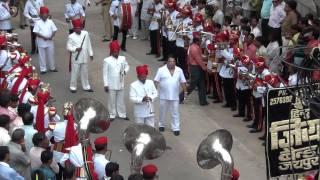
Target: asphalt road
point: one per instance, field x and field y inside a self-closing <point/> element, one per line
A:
<point x="179" y="161"/>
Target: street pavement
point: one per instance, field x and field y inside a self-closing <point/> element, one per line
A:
<point x="179" y="160"/>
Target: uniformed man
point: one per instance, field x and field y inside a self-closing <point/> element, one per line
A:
<point x="73" y="10"/>
<point x="115" y="68"/>
<point x="142" y="94"/>
<point x="45" y="30"/>
<point x="5" y="16"/>
<point x="108" y="28"/>
<point x="79" y="45"/>
<point x="32" y="13"/>
<point x="99" y="158"/>
<point x="155" y="27"/>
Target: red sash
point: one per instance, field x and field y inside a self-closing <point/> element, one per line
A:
<point x="126" y="16"/>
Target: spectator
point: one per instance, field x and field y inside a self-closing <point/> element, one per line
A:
<point x="17" y="122"/>
<point x="69" y="172"/>
<point x="290" y="19"/>
<point x="112" y="168"/>
<point x="250" y="48"/>
<point x="37" y="175"/>
<point x="255" y="30"/>
<point x="6" y="172"/>
<point x="29" y="130"/>
<point x="41" y="143"/>
<point x="261" y="49"/>
<point x="99" y="158"/>
<point x="47" y="159"/>
<point x="4" y="130"/>
<point x="218" y="16"/>
<point x="145" y="19"/>
<point x="4" y="104"/>
<point x="272" y="52"/>
<point x="237" y="16"/>
<point x="117" y="177"/>
<point x="265" y="15"/>
<point x="277" y="15"/>
<point x="19" y="160"/>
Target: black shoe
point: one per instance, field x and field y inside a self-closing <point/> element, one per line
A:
<point x="73" y="91"/>
<point x="212" y="97"/>
<point x="54" y="70"/>
<point x="157" y="56"/>
<point x="150" y="53"/>
<point x="125" y="118"/>
<point x="217" y="101"/>
<point x="43" y="72"/>
<point x="176" y="133"/>
<point x="255" y="130"/>
<point x="111" y="119"/>
<point x="161" y="129"/>
<point x="105" y="40"/>
<point x="33" y="52"/>
<point x="237" y="115"/>
<point x="263" y="144"/>
<point x="233" y="108"/>
<point x="89" y="90"/>
<point x="246" y="119"/>
<point x="204" y="104"/>
<point x="250" y="126"/>
<point x="161" y="59"/>
<point x="123" y="49"/>
<point x="22" y="27"/>
<point x="26" y="25"/>
<point x="226" y="106"/>
<point x="262" y="138"/>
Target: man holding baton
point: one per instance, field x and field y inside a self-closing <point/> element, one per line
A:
<point x="79" y="45"/>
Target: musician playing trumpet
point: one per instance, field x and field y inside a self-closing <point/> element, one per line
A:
<point x="142" y="94"/>
<point x="74" y="10"/>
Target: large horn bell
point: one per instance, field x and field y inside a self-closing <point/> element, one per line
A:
<point x="143" y="141"/>
<point x="215" y="149"/>
<point x="91" y="115"/>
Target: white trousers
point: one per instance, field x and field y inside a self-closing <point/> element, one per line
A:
<point x="83" y="68"/>
<point x="173" y="107"/>
<point x="116" y="103"/>
<point x="135" y="22"/>
<point x="145" y="120"/>
<point x="46" y="54"/>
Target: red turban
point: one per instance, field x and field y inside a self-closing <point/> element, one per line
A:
<point x="114" y="46"/>
<point x="76" y="23"/>
<point x="33" y="83"/>
<point x="198" y="18"/>
<point x="142" y="70"/>
<point x="102" y="140"/>
<point x="149" y="171"/>
<point x="44" y="10"/>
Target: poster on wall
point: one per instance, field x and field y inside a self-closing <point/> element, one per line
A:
<point x="293" y="134"/>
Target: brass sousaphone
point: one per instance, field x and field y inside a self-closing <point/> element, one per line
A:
<point x="214" y="150"/>
<point x="143" y="141"/>
<point x="91" y="117"/>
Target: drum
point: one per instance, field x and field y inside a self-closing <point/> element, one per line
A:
<point x="125" y="16"/>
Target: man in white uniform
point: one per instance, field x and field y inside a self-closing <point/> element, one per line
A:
<point x="79" y="45"/>
<point x="5" y="61"/>
<point x="5" y="16"/>
<point x="45" y="30"/>
<point x="142" y="94"/>
<point x="73" y="10"/>
<point x="115" y="68"/>
<point x="99" y="158"/>
<point x="169" y="79"/>
<point x="32" y="13"/>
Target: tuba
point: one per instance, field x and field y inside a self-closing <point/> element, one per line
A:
<point x="91" y="117"/>
<point x="215" y="149"/>
<point x="143" y="141"/>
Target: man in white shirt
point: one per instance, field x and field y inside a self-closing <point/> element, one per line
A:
<point x="79" y="45"/>
<point x="115" y="68"/>
<point x="142" y="94"/>
<point x="4" y="130"/>
<point x="255" y="30"/>
<point x="45" y="30"/>
<point x="6" y="172"/>
<point x="277" y="15"/>
<point x="29" y="130"/>
<point x="5" y="16"/>
<point x="73" y="10"/>
<point x="154" y="27"/>
<point x="32" y="13"/>
<point x="99" y="158"/>
<point x="145" y="18"/>
<point x="169" y="79"/>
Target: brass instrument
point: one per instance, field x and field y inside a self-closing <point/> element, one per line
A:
<point x="214" y="150"/>
<point x="143" y="142"/>
<point x="13" y="11"/>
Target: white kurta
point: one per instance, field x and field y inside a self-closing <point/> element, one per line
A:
<point x="5" y="16"/>
<point x="46" y="47"/>
<point x="5" y="61"/>
<point x="114" y="71"/>
<point x="141" y="109"/>
<point x="32" y="10"/>
<point x="74" y="41"/>
<point x="100" y="163"/>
